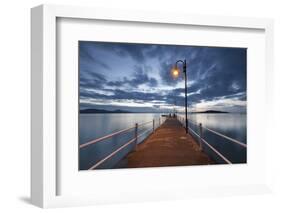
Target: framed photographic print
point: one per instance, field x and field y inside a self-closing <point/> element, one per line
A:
<point x="136" y="93"/>
<point x="147" y="105"/>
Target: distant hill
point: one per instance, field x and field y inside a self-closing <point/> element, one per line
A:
<point x="211" y="111"/>
<point x="102" y="111"/>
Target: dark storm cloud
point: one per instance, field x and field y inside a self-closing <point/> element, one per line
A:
<point x="212" y="73"/>
<point x="92" y="80"/>
<point x="121" y="95"/>
<point x="123" y="49"/>
<point x="85" y="54"/>
<point x="130" y="50"/>
<point x="98" y="81"/>
<point x="193" y="56"/>
<point x="84" y="94"/>
<point x="216" y="73"/>
<point x="140" y="77"/>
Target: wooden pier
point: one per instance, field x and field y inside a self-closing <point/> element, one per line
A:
<point x="168" y="145"/>
<point x="165" y="144"/>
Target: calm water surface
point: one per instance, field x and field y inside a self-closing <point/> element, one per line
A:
<point x="233" y="125"/>
<point x="93" y="126"/>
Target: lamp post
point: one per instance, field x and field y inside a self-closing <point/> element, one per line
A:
<point x="175" y="73"/>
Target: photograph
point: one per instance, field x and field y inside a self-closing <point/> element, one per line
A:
<point x="161" y="105"/>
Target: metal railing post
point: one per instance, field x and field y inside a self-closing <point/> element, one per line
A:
<point x="153" y="125"/>
<point x="136" y="136"/>
<point x="187" y="126"/>
<point x="201" y="135"/>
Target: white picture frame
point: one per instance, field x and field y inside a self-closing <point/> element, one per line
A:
<point x="44" y="154"/>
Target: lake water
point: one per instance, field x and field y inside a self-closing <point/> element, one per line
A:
<point x="94" y="126"/>
<point x="233" y="125"/>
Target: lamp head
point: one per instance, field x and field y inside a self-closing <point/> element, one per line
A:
<point x="175" y="72"/>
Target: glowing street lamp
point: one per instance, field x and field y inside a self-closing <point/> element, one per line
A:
<point x="175" y="74"/>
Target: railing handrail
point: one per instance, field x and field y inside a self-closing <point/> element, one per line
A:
<point x="111" y="135"/>
<point x="111" y="154"/>
<point x="105" y="137"/>
<point x="139" y="135"/>
<point x="124" y="145"/>
<point x="217" y="152"/>
<point x="226" y="137"/>
<point x="144" y="123"/>
<point x="220" y="134"/>
<point x="211" y="147"/>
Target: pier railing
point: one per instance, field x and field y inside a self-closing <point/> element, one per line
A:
<point x="155" y="123"/>
<point x="202" y="141"/>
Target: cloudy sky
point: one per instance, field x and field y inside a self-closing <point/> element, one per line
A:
<point x="137" y="77"/>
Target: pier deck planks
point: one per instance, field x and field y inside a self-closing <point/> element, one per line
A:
<point x="169" y="145"/>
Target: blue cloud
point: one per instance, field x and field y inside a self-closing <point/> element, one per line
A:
<point x="213" y="73"/>
<point x="139" y="77"/>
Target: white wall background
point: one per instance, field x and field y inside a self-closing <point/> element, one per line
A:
<point x="15" y="103"/>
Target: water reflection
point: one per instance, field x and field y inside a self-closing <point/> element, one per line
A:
<point x="94" y="126"/>
<point x="231" y="124"/>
